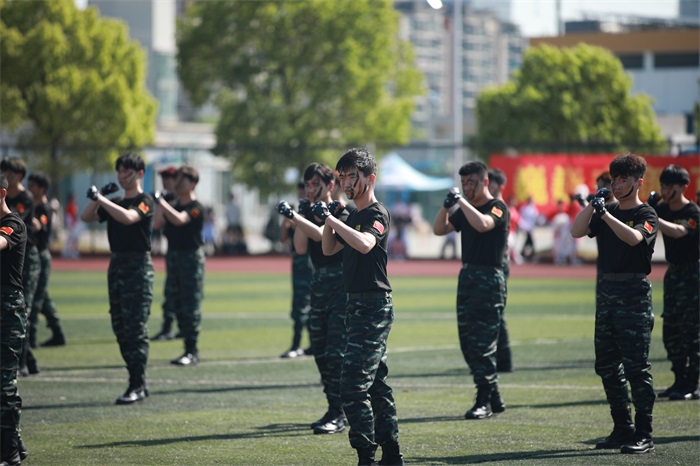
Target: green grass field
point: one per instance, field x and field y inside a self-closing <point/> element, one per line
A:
<point x="244" y="405"/>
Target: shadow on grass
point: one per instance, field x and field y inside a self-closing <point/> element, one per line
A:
<point x="657" y="440"/>
<point x="270" y="430"/>
<point x="238" y="388"/>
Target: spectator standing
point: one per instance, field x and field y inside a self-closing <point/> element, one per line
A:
<point x="73" y="229"/>
<point x="528" y="221"/>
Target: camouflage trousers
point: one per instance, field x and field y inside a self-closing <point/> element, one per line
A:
<point x="130" y="282"/>
<point x="481" y="297"/>
<point x="504" y="357"/>
<point x="681" y="326"/>
<point x="13" y="318"/>
<point x="623" y="324"/>
<point x="184" y="291"/>
<point x="302" y="273"/>
<point x="367" y="399"/>
<point x="42" y="301"/>
<point x="327" y="330"/>
<point x="30" y="282"/>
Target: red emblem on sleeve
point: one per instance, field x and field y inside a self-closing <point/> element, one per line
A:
<point x="379" y="227"/>
<point x="648" y="227"/>
<point x="497" y="212"/>
<point x="44" y="219"/>
<point x="692" y="223"/>
<point x="195" y="212"/>
<point x="7" y="230"/>
<point x="143" y="207"/>
<point x="21" y="208"/>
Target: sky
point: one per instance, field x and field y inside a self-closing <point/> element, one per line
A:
<point x="538" y="17"/>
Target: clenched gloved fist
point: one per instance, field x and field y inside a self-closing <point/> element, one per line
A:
<point x="603" y="193"/>
<point x="320" y="210"/>
<point x="599" y="205"/>
<point x="92" y="192"/>
<point x="579" y="198"/>
<point x="335" y="207"/>
<point x="304" y="206"/>
<point x="451" y="198"/>
<point x="285" y="209"/>
<point x="654" y="199"/>
<point x="109" y="188"/>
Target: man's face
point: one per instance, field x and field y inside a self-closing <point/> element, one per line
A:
<point x="472" y="186"/>
<point x="35" y="189"/>
<point x="494" y="188"/>
<point x="354" y="183"/>
<point x="671" y="191"/>
<point x="315" y="189"/>
<point x="13" y="178"/>
<point x="168" y="182"/>
<point x="127" y="177"/>
<point x="181" y="184"/>
<point x="624" y="186"/>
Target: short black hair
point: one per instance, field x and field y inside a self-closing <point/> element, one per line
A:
<point x="628" y="164"/>
<point x="605" y="178"/>
<point x="324" y="172"/>
<point x="3" y="181"/>
<point x="360" y="158"/>
<point x="40" y="179"/>
<point x="674" y="174"/>
<point x="14" y="165"/>
<point x="189" y="172"/>
<point x="130" y="161"/>
<point x="475" y="167"/>
<point x="497" y="176"/>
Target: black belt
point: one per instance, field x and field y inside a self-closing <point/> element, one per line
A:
<point x="489" y="268"/>
<point x="623" y="276"/>
<point x="369" y="295"/>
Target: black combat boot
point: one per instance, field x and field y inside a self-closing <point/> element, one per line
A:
<point x="57" y="337"/>
<point x="482" y="407"/>
<point x="391" y="455"/>
<point x="335" y="424"/>
<point x="9" y="447"/>
<point x="31" y="337"/>
<point x="642" y="441"/>
<point x="623" y="431"/>
<point x="366" y="457"/>
<point x="679" y="370"/>
<point x="689" y="390"/>
<point x="497" y="403"/>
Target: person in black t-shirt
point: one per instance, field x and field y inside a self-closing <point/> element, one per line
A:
<point x="130" y="274"/>
<point x="327" y="314"/>
<point x="678" y="221"/>
<point x="182" y="225"/>
<point x="626" y="232"/>
<point x="13" y="317"/>
<point x="38" y="185"/>
<point x="367" y="399"/>
<point x="481" y="291"/>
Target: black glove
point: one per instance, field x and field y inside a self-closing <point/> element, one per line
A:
<point x="320" y="210"/>
<point x="654" y="199"/>
<point x="599" y="205"/>
<point x="590" y="197"/>
<point x="92" y="192"/>
<point x="109" y="188"/>
<point x="304" y="206"/>
<point x="285" y="209"/>
<point x="579" y="198"/>
<point x="451" y="198"/>
<point x="335" y="207"/>
<point x="603" y="193"/>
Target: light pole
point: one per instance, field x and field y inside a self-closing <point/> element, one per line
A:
<point x="456" y="84"/>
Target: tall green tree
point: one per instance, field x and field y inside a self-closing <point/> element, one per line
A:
<point x="76" y="79"/>
<point x="297" y="81"/>
<point x="571" y="98"/>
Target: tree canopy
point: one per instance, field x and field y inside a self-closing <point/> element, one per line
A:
<point x="296" y="82"/>
<point x="571" y="98"/>
<point x="76" y="79"/>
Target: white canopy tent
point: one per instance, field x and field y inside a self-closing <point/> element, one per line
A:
<point x="395" y="174"/>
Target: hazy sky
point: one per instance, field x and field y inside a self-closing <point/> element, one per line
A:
<point x="538" y="17"/>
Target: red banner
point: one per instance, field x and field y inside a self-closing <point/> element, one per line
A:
<point x="553" y="177"/>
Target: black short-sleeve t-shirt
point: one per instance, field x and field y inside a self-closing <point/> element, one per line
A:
<point x="189" y="235"/>
<point x="485" y="248"/>
<point x="687" y="248"/>
<point x="315" y="248"/>
<point x="616" y="256"/>
<point x="42" y="212"/>
<point x="135" y="237"/>
<point x="23" y="204"/>
<point x="367" y="272"/>
<point x="13" y="229"/>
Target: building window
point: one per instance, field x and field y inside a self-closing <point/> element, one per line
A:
<point x="677" y="60"/>
<point x="633" y="61"/>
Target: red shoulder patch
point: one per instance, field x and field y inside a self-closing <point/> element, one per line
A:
<point x="143" y="207"/>
<point x="195" y="212"/>
<point x="496" y="211"/>
<point x="378" y="226"/>
<point x="7" y="230"/>
<point x="21" y="208"/>
<point x="648" y="227"/>
<point x="692" y="223"/>
<point x="44" y="219"/>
